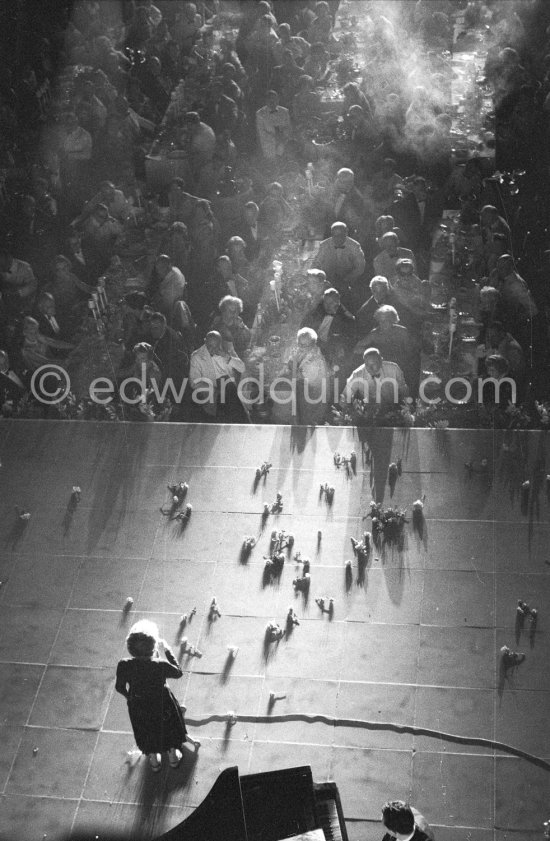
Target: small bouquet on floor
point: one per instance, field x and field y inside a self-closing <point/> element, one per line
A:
<point x="387" y="523"/>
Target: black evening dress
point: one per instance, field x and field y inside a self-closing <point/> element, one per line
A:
<point x="155" y="714"/>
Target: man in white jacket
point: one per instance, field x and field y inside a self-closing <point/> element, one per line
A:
<point x="273" y="127"/>
<point x="212" y="375"/>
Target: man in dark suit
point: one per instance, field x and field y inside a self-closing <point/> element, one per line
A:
<point x="45" y="314"/>
<point x="252" y="231"/>
<point x="404" y="823"/>
<point x="335" y="328"/>
<point x="11" y="385"/>
<point x="169" y="349"/>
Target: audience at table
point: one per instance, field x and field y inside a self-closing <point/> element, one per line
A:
<point x="82" y="212"/>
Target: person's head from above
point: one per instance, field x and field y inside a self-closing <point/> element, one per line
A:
<point x="384" y="224"/>
<point x="319" y="52"/>
<point x="499" y="244"/>
<point x="62" y="266"/>
<point x="331" y="301"/>
<point x="134" y="301"/>
<point x="192" y="121"/>
<point x="398" y="819"/>
<point x="488" y="298"/>
<point x="71" y="121"/>
<point x="189" y="10"/>
<point x="4" y="362"/>
<point x="230" y="309"/>
<point x="216" y="90"/>
<point x="143" y="353"/>
<point x="203" y="211"/>
<point x="352" y="93"/>
<point x="305" y="83"/>
<point x="444" y="123"/>
<point x="307" y="338"/>
<point x="251" y="212"/>
<point x="101" y="213"/>
<point x="28" y="206"/>
<point x="275" y="190"/>
<point x="224" y="267"/>
<point x="345" y="180"/>
<point x="495" y="333"/>
<point x="505" y="266"/>
<point x="283" y="31"/>
<point x="419" y="188"/>
<point x="157" y="325"/>
<point x="163" y="264"/>
<point x="389" y="242"/>
<point x="355" y="115"/>
<point x="264" y="9"/>
<point x="177" y="186"/>
<point x="317" y="280"/>
<point x="322" y="9"/>
<point x="272" y="100"/>
<point x="40" y="187"/>
<point x="389" y="167"/>
<point x="154" y="65"/>
<point x="46" y="303"/>
<point x="372" y="360"/>
<point x="228" y="71"/>
<point x="398" y="194"/>
<point x="420" y="96"/>
<point x="509" y="57"/>
<point x="208" y="38"/>
<point x="405" y="267"/>
<point x="288" y="58"/>
<point x="379" y="287"/>
<point x="107" y="191"/>
<point x="173" y="50"/>
<point x="213" y="342"/>
<point x="338" y="232"/>
<point x="393" y="103"/>
<point x="104" y="43"/>
<point x="235" y="247"/>
<point x="143" y="639"/>
<point x="264" y="24"/>
<point x="488" y="214"/>
<point x="178" y="230"/>
<point x="496" y="366"/>
<point x="30" y="327"/>
<point x="385" y="317"/>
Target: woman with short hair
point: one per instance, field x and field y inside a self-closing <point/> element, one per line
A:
<point x="155" y="714"/>
<point x="311" y="379"/>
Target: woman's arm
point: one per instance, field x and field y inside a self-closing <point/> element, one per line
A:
<point x="121" y="684"/>
<point x="171" y="667"/>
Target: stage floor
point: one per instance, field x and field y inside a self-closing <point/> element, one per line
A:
<point x="416" y="644"/>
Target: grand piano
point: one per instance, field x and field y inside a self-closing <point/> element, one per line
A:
<point x="264" y="807"/>
<point x="269" y="806"/>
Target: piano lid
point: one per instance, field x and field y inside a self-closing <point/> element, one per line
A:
<point x="219" y="817"/>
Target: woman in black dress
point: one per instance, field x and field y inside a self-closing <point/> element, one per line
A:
<point x="155" y="714"/>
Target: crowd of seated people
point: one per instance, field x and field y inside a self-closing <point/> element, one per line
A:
<point x="83" y="104"/>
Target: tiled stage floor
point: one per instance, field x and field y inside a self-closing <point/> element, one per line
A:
<point x="417" y="644"/>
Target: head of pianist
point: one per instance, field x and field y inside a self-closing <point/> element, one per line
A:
<point x="398" y="819"/>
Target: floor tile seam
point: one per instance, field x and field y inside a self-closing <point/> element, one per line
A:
<point x="28" y="795"/>
<point x="52" y="647"/>
<point x="12" y="763"/>
<point x="86" y="778"/>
